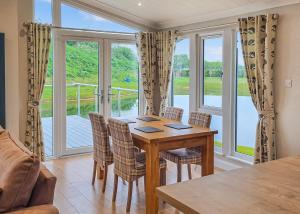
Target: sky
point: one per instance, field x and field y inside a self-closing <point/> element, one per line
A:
<point x="75" y="18"/>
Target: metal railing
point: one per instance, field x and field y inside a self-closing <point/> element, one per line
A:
<point x="78" y="99"/>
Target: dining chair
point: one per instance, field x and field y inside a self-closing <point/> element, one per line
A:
<point x="103" y="156"/>
<point x="129" y="164"/>
<point x="173" y="113"/>
<point x="190" y="155"/>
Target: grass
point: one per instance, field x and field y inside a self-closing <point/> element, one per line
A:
<point x="240" y="149"/>
<point x="212" y="86"/>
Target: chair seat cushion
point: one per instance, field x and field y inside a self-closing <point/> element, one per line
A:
<point x="182" y="156"/>
<point x="141" y="161"/>
<point x="19" y="171"/>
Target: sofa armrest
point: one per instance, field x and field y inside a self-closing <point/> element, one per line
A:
<point x="43" y="192"/>
<point x="43" y="209"/>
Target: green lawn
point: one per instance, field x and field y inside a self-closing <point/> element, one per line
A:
<point x="213" y="86"/>
<point x="240" y="149"/>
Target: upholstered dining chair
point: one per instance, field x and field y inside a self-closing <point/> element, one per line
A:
<point x="129" y="164"/>
<point x="173" y="113"/>
<point x="191" y="155"/>
<point x="103" y="156"/>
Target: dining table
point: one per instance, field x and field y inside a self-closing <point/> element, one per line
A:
<point x="267" y="188"/>
<point x="167" y="139"/>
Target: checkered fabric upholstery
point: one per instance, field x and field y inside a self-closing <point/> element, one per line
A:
<point x="102" y="151"/>
<point x="173" y="113"/>
<point x="191" y="155"/>
<point x="200" y="119"/>
<point x="129" y="164"/>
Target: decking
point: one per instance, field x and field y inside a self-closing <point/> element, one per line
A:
<point x="79" y="133"/>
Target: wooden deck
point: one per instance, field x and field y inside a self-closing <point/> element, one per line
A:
<point x="79" y="133"/>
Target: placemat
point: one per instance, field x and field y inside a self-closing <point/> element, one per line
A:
<point x="178" y="126"/>
<point x="148" y="129"/>
<point x="148" y="119"/>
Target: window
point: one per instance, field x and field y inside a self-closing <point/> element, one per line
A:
<point x="181" y="77"/>
<point x="212" y="71"/>
<point x="86" y="20"/>
<point x="43" y="11"/>
<point x="212" y="83"/>
<point x="125" y="80"/>
<point x="246" y="114"/>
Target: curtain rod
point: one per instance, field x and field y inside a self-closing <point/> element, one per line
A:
<point x="86" y="30"/>
<point x="132" y="34"/>
<point x="207" y="28"/>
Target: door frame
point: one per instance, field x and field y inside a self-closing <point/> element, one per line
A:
<point x="59" y="78"/>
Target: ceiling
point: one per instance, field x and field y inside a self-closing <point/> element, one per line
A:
<point x="170" y="13"/>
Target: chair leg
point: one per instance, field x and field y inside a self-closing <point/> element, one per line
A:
<point x="178" y="172"/>
<point x="129" y="196"/>
<point x="94" y="172"/>
<point x="105" y="178"/>
<point x="189" y="171"/>
<point x="115" y="188"/>
<point x="163" y="176"/>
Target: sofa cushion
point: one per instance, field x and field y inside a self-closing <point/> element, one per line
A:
<point x="19" y="171"/>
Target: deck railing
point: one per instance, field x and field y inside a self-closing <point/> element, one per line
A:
<point x="96" y="94"/>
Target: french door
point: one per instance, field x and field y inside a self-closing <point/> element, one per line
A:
<point x="93" y="74"/>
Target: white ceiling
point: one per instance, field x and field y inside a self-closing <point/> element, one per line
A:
<point x="171" y="13"/>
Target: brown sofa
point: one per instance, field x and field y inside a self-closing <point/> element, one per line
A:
<point x="26" y="186"/>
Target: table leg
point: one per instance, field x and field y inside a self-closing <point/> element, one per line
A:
<point x="207" y="166"/>
<point x="152" y="179"/>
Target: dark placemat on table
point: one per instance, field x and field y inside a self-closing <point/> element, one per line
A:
<point x="127" y="121"/>
<point x="178" y="126"/>
<point x="148" y="119"/>
<point x="148" y="129"/>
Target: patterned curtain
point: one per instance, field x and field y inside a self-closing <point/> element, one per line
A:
<point x="146" y="45"/>
<point x="258" y="41"/>
<point x="165" y="48"/>
<point x="38" y="44"/>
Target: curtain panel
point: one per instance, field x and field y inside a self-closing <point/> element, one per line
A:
<point x="258" y="35"/>
<point x="165" y="48"/>
<point x="38" y="45"/>
<point x="146" y="45"/>
<point x="156" y="57"/>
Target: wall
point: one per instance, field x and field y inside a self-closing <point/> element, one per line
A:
<point x="12" y="14"/>
<point x="287" y="100"/>
<point x="9" y="26"/>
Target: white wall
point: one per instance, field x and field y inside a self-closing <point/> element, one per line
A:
<point x="12" y="14"/>
<point x="287" y="66"/>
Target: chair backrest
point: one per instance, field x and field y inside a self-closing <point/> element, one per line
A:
<point x="173" y="113"/>
<point x="100" y="137"/>
<point x="123" y="148"/>
<point x="200" y="119"/>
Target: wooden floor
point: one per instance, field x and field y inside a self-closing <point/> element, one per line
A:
<point x="75" y="194"/>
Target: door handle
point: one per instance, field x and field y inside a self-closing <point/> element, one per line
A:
<point x="101" y="95"/>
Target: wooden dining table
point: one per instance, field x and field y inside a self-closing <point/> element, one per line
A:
<point x="167" y="139"/>
<point x="268" y="188"/>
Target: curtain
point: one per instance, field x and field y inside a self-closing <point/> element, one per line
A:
<point x="38" y="44"/>
<point x="156" y="57"/>
<point x="258" y="41"/>
<point x="146" y="45"/>
<point x="165" y="48"/>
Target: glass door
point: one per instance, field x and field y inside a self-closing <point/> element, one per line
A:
<point x="123" y="80"/>
<point x="82" y="92"/>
